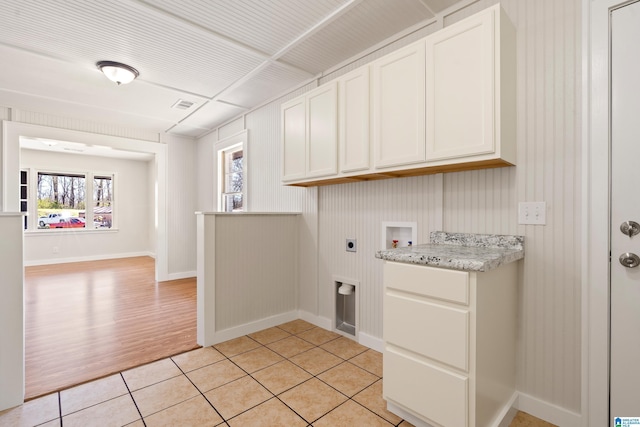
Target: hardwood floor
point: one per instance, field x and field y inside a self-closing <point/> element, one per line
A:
<point x="90" y="319"/>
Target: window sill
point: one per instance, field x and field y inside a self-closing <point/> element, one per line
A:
<point x="70" y="230"/>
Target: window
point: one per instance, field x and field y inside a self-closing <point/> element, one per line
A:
<point x="232" y="180"/>
<point x="232" y="177"/>
<point x="62" y="200"/>
<point x="24" y="195"/>
<point x="102" y="201"/>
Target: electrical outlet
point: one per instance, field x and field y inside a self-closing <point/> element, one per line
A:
<point x="351" y="245"/>
<point x="534" y="213"/>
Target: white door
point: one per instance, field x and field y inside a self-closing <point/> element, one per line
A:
<point x="625" y="206"/>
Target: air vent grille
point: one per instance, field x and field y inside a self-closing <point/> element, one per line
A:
<point x="182" y="104"/>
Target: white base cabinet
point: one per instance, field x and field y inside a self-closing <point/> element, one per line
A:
<point x="450" y="342"/>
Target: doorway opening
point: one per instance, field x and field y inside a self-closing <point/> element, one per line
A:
<point x="87" y="320"/>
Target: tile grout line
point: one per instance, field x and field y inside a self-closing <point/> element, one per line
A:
<point x="134" y="400"/>
<point x="253" y="378"/>
<point x="224" y="421"/>
<point x="312" y="375"/>
<point x="329" y="385"/>
<point x="284" y="358"/>
<point x="60" y="408"/>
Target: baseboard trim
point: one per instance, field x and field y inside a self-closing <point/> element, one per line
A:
<point x="319" y="321"/>
<point x="548" y="412"/>
<point x="251" y="327"/>
<point x="87" y="258"/>
<point x="183" y="275"/>
<point x="364" y="339"/>
<point x="370" y="341"/>
<point x="508" y="413"/>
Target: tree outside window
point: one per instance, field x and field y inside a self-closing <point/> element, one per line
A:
<point x="60" y="198"/>
<point x="103" y="201"/>
<point x="232" y="196"/>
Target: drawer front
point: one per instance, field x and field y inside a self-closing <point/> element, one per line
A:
<point x="432" y="393"/>
<point x="448" y="285"/>
<point x="438" y="332"/>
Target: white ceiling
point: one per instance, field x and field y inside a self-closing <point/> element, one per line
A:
<point x="226" y="56"/>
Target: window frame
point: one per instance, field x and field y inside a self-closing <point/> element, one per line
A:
<point x="89" y="176"/>
<point x="226" y="145"/>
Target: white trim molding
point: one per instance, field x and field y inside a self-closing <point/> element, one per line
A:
<point x="548" y="412"/>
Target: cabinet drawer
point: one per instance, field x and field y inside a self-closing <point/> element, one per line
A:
<point x="448" y="285"/>
<point x="430" y="392"/>
<point x="438" y="332"/>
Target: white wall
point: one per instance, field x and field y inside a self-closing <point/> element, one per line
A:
<point x="548" y="169"/>
<point x="11" y="311"/>
<point x="181" y="206"/>
<point x="133" y="209"/>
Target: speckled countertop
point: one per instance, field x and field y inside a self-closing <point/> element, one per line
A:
<point x="460" y="251"/>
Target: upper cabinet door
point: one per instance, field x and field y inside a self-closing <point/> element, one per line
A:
<point x="353" y="92"/>
<point x="461" y="88"/>
<point x="322" y="131"/>
<point x="398" y="91"/>
<point x="293" y="139"/>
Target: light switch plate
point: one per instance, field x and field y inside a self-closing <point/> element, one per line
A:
<point x="534" y="213"/>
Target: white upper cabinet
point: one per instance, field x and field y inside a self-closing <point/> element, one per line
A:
<point x="353" y="120"/>
<point x="322" y="131"/>
<point x="310" y="135"/>
<point x="469" y="76"/>
<point x="398" y="101"/>
<point x="442" y="104"/>
<point x="293" y="139"/>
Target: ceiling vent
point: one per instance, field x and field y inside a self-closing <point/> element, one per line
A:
<point x="181" y="104"/>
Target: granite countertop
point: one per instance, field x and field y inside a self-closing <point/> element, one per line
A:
<point x="460" y="251"/>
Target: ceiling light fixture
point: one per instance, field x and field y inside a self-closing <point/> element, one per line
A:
<point x="117" y="72"/>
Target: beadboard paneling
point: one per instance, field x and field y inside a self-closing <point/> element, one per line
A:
<point x="205" y="156"/>
<point x="71" y="123"/>
<point x="490" y="194"/>
<point x="231" y="128"/>
<point x="266" y="192"/>
<point x="380" y="51"/>
<point x="268" y="288"/>
<point x="357" y="211"/>
<point x="548" y="169"/>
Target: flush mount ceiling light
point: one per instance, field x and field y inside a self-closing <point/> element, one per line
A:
<point x="117" y="72"/>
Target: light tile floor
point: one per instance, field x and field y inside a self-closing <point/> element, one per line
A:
<point x="292" y="375"/>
